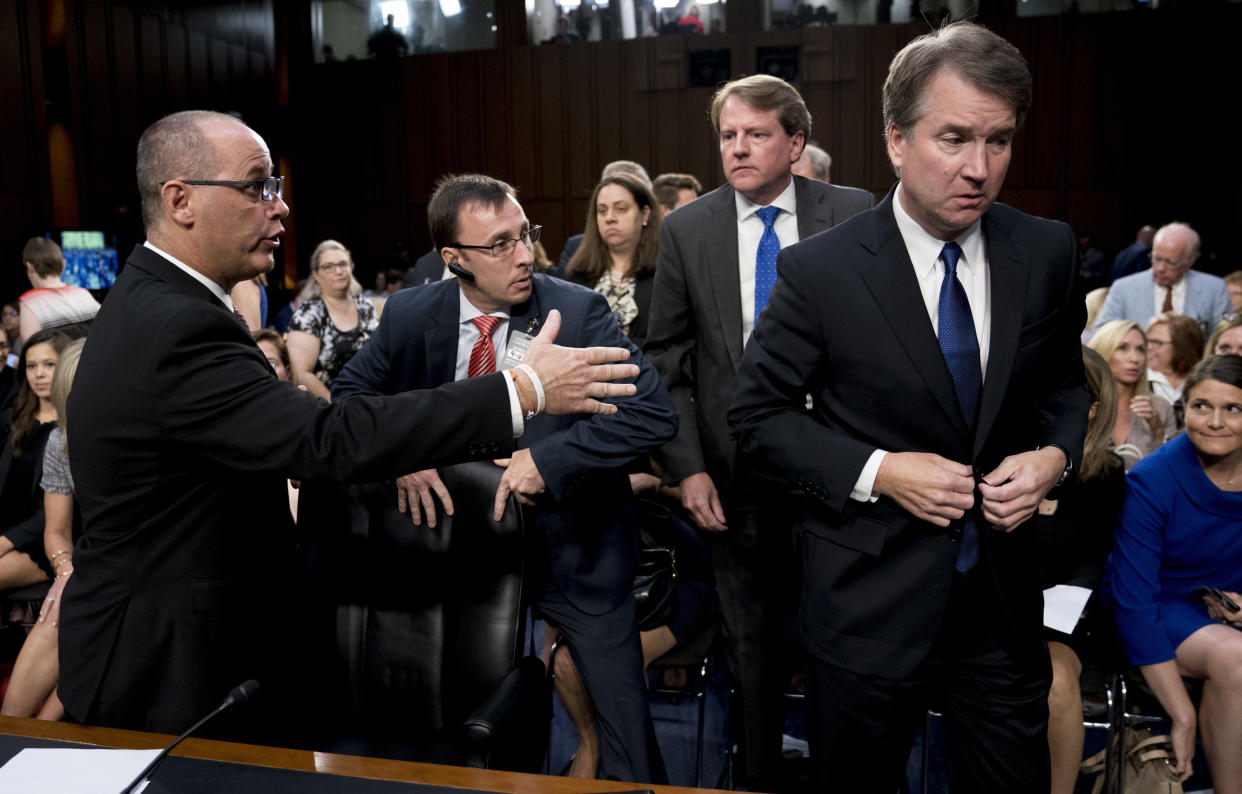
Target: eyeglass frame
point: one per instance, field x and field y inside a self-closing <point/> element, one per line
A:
<point x="262" y="184"/>
<point x="507" y="247"/>
<point x="332" y="267"/>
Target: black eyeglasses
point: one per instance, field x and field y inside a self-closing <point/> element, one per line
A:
<point x="506" y="248"/>
<point x="272" y="187"/>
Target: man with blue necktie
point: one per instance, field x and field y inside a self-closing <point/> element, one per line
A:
<point x="716" y="266"/>
<point x="937" y="335"/>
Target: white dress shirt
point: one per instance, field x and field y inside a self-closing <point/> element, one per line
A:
<point x="749" y="233"/>
<point x="215" y="288"/>
<point x="468" y="334"/>
<point x="1179" y="296"/>
<point x="975" y="277"/>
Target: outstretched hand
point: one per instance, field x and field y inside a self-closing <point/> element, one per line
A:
<point x="575" y="379"/>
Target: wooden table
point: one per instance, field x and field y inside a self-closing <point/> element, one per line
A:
<point x="327" y="763"/>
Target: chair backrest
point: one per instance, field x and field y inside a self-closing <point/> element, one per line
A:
<point x="427" y="621"/>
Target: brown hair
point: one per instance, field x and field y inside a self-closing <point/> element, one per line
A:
<point x="277" y="341"/>
<point x="592" y="259"/>
<point x="26" y="403"/>
<point x="765" y="92"/>
<point x="1226" y="369"/>
<point x="455" y="191"/>
<point x="974" y="53"/>
<point x="667" y="186"/>
<point x="1097" y="456"/>
<point x="44" y="256"/>
<point x="1186" y="338"/>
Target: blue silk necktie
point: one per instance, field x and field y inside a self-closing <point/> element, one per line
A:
<point x="960" y="347"/>
<point x="765" y="258"/>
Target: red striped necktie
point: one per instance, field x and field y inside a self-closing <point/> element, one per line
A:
<point x="483" y="354"/>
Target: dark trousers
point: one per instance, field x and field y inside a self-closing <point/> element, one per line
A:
<point x="995" y="707"/>
<point x="609" y="658"/>
<point x="756" y="575"/>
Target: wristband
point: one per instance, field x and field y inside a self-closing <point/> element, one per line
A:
<point x="540" y="397"/>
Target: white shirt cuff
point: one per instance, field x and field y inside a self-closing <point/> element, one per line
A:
<point x="866" y="479"/>
<point x="515" y="407"/>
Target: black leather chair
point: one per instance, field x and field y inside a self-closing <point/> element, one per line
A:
<point x="427" y="625"/>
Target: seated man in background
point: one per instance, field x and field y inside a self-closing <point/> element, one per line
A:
<point x="572" y="470"/>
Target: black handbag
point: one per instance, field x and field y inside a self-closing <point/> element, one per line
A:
<point x="655" y="577"/>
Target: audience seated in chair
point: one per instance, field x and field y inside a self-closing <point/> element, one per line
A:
<point x="22" y="558"/>
<point x="1144" y="421"/>
<point x="37" y="667"/>
<point x="1181" y="530"/>
<point x="1174" y="346"/>
<point x="1075" y="536"/>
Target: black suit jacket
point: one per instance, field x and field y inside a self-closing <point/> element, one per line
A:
<point x="182" y="441"/>
<point x="589" y="523"/>
<point x="695" y="331"/>
<point x="846" y="322"/>
<point x="428" y="268"/>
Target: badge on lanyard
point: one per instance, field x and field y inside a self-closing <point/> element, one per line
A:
<point x="518" y="342"/>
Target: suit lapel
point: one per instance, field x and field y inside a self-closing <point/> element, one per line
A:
<point x="720" y="263"/>
<point x="890" y="279"/>
<point x="440" y="340"/>
<point x="1008" y="272"/>
<point x="524" y="318"/>
<point x="814" y="214"/>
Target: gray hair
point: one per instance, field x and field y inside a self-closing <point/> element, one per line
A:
<point x="174" y="148"/>
<point x="625" y="167"/>
<point x="1192" y="252"/>
<point x="312" y="288"/>
<point x="974" y="53"/>
<point x="819" y="161"/>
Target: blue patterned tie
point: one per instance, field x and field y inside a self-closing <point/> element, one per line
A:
<point x="960" y="348"/>
<point x="765" y="258"/>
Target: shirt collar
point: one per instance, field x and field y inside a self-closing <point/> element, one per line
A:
<point x="215" y="288"/>
<point x="467" y="311"/>
<point x="787" y="201"/>
<point x="925" y="250"/>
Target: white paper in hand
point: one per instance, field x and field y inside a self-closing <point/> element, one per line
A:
<point x="1063" y="606"/>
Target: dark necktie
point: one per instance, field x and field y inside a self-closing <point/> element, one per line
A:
<point x="1168" y="301"/>
<point x="960" y="348"/>
<point x="765" y="258"/>
<point x="483" y="354"/>
<point x="241" y="319"/>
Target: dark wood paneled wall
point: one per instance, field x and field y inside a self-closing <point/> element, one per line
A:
<point x="1126" y="111"/>
<point x="90" y="75"/>
<point x="1114" y="139"/>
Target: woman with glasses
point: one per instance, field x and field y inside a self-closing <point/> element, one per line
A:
<point x="617" y="257"/>
<point x="328" y="329"/>
<point x="1174" y="346"/>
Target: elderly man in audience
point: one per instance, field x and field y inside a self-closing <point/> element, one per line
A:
<point x="938" y="337"/>
<point x="1170" y="285"/>
<point x="815" y="163"/>
<point x="571" y="469"/>
<point x="178" y="419"/>
<point x="716" y="264"/>
<point x="675" y="190"/>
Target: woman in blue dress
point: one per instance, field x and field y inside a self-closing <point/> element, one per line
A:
<point x="1181" y="529"/>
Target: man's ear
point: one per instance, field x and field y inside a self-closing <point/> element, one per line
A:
<point x="896" y="146"/>
<point x="176" y="201"/>
<point x="799" y="143"/>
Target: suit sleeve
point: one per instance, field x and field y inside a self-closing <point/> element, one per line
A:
<point x="786" y="352"/>
<point x="217" y="398"/>
<point x="1064" y="405"/>
<point x="641" y="424"/>
<point x="1134" y="570"/>
<point x="671" y="339"/>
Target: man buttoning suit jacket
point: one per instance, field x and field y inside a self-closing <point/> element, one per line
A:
<point x="702" y="309"/>
<point x="183" y="439"/>
<point x="938" y="337"/>
<point x="584" y="511"/>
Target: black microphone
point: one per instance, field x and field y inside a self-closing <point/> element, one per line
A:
<point x="459" y="271"/>
<point x="239" y="695"/>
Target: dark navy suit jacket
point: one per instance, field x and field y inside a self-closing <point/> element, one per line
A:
<point x="588" y="519"/>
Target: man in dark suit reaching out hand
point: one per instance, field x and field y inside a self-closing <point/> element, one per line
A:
<point x="938" y="337"/>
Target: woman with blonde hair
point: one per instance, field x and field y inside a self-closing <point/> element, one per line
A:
<point x="1144" y="421"/>
<point x="1226" y="338"/>
<point x="37" y="667"/>
<point x="333" y="324"/>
